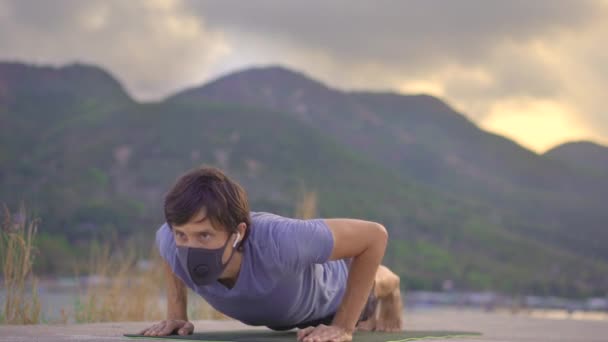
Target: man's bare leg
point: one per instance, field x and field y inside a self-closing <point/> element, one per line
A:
<point x="389" y="310"/>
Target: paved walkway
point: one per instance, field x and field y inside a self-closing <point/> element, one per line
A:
<point x="496" y="327"/>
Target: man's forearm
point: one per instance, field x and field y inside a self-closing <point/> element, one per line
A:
<point x="359" y="284"/>
<point x="177" y="303"/>
<point x="177" y="296"/>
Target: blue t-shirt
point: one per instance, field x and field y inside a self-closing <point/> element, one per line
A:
<point x="285" y="279"/>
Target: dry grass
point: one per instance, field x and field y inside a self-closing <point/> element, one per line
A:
<point x="17" y="257"/>
<point x="198" y="308"/>
<point x="119" y="290"/>
<point x="306" y="206"/>
<point x="125" y="292"/>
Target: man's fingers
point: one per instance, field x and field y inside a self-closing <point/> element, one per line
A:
<point x="316" y="336"/>
<point x="168" y="328"/>
<point x="159" y="327"/>
<point x="145" y="331"/>
<point x="304" y="332"/>
<point x="184" y="331"/>
<point x="325" y="333"/>
<point x="188" y="328"/>
<point x="313" y="334"/>
<point x="311" y="338"/>
<point x="183" y="327"/>
<point x="150" y="330"/>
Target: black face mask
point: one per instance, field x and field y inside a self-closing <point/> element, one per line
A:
<point x="205" y="265"/>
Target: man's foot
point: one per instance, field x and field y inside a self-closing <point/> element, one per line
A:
<point x="390" y="318"/>
<point x="388" y="314"/>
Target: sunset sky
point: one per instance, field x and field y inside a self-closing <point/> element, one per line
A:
<point x="535" y="71"/>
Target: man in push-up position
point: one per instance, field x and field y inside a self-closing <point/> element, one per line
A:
<point x="322" y="276"/>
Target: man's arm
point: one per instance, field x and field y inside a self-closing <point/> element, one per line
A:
<point x="177" y="301"/>
<point x="366" y="242"/>
<point x="177" y="295"/>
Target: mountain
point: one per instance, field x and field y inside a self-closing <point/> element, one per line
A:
<point x="43" y="110"/>
<point x="46" y="82"/>
<point x="38" y="101"/>
<point x="98" y="164"/>
<point x="582" y="154"/>
<point x="422" y="138"/>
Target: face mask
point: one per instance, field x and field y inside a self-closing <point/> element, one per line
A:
<point x="204" y="265"/>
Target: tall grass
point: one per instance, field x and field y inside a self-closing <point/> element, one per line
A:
<point x="118" y="290"/>
<point x="17" y="258"/>
<point x="306" y="205"/>
<point x="123" y="290"/>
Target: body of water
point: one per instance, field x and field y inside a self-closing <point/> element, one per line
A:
<point x="59" y="299"/>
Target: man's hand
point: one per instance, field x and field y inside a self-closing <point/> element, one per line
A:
<point x="324" y="333"/>
<point x="169" y="327"/>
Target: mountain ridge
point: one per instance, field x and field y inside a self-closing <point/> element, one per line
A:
<point x="582" y="153"/>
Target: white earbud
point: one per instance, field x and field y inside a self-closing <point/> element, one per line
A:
<point x="238" y="236"/>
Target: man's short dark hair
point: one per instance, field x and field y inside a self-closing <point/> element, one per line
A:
<point x="224" y="200"/>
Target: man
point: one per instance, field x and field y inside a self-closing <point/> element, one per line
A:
<point x="322" y="276"/>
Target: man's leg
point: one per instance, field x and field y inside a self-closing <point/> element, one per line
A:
<point x="389" y="310"/>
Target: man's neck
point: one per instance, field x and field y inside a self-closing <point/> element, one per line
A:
<point x="231" y="273"/>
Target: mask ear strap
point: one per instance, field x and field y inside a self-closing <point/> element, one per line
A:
<point x="238" y="236"/>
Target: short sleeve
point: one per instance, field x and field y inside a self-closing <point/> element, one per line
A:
<point x="301" y="243"/>
<point x="165" y="242"/>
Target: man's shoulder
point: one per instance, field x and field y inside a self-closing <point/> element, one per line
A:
<point x="264" y="224"/>
<point x="262" y="220"/>
<point x="294" y="243"/>
<point x="164" y="241"/>
<point x="269" y="230"/>
<point x="277" y="224"/>
<point x="264" y="215"/>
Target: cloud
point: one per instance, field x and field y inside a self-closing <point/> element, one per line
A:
<point x="508" y="65"/>
<point x="423" y="32"/>
<point x="547" y="121"/>
<point x="152" y="46"/>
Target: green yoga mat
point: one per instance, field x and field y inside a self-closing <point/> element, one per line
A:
<point x="290" y="336"/>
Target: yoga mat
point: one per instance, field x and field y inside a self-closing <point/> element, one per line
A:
<point x="290" y="336"/>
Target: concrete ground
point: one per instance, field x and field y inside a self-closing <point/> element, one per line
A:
<point x="495" y="327"/>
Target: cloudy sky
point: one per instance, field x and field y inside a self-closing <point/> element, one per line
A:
<point x="535" y="71"/>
